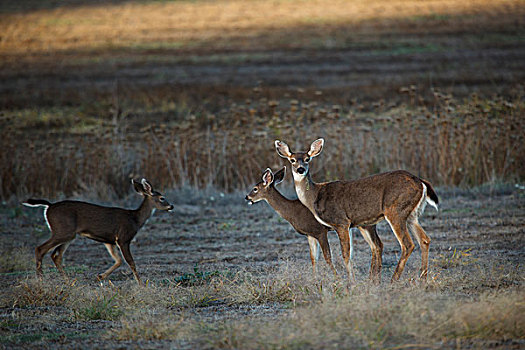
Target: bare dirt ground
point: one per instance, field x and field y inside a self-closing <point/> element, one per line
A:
<point x="222" y="235"/>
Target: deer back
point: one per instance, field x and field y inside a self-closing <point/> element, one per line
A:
<point x="364" y="201"/>
<point x="97" y="222"/>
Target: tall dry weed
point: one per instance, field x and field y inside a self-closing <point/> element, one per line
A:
<point x="447" y="141"/>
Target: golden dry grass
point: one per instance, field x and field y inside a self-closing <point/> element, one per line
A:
<point x="230" y="24"/>
<point x="309" y="312"/>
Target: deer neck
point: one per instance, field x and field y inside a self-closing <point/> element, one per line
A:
<point x="306" y="190"/>
<point x="279" y="203"/>
<point x="144" y="212"/>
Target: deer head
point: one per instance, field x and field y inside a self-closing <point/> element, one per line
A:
<point x="260" y="190"/>
<point x="299" y="160"/>
<point x="157" y="199"/>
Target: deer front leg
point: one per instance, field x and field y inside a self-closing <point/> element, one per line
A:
<point x="112" y="249"/>
<point x="376" y="246"/>
<point x="124" y="248"/>
<point x="314" y="252"/>
<point x="327" y="254"/>
<point x="344" y="241"/>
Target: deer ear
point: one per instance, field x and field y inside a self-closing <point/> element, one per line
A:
<point x="267" y="177"/>
<point x="316" y="147"/>
<point x="279" y="176"/>
<point x="137" y="186"/>
<point x="148" y="189"/>
<point x="282" y="149"/>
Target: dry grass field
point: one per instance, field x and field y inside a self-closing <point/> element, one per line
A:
<point x="191" y="95"/>
<point x="221" y="274"/>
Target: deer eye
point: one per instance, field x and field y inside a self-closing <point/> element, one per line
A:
<point x="292" y="161"/>
<point x="307" y="159"/>
<point x="162" y="199"/>
<point x="255" y="189"/>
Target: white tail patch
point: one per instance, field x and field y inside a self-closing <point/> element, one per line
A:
<point x="45" y="211"/>
<point x="421" y="204"/>
<point x="45" y="217"/>
<point x="431" y="202"/>
<point x="35" y="205"/>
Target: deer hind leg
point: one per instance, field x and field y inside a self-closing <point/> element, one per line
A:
<point x="45" y="247"/>
<point x="344" y="241"/>
<point x="57" y="256"/>
<point x="314" y="251"/>
<point x="112" y="249"/>
<point x="424" y="243"/>
<point x="327" y="254"/>
<point x="376" y="246"/>
<point x="124" y="249"/>
<point x="399" y="227"/>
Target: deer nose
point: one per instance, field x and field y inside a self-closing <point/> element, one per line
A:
<point x="301" y="170"/>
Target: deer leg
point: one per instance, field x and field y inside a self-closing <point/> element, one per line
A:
<point x="42" y="250"/>
<point x="112" y="249"/>
<point x="325" y="247"/>
<point x="124" y="249"/>
<point x="376" y="246"/>
<point x="314" y="251"/>
<point x="424" y="243"/>
<point x="344" y="241"/>
<point x="57" y="257"/>
<point x="399" y="226"/>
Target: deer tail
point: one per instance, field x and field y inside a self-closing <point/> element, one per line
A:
<point x="36" y="203"/>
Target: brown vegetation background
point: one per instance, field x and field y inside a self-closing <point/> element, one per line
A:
<point x="194" y="93"/>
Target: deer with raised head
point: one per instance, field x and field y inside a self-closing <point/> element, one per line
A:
<point x="115" y="227"/>
<point x="295" y="213"/>
<point x="397" y="197"/>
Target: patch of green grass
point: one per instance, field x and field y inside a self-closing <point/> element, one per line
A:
<point x="194" y="277"/>
<point x="9" y="324"/>
<point x="101" y="308"/>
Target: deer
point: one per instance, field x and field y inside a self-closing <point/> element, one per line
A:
<point x="114" y="227"/>
<point x="295" y="213"/>
<point x="398" y="197"/>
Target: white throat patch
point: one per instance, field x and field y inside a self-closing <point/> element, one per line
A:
<point x="297" y="176"/>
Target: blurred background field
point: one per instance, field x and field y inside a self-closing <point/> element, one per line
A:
<point x="193" y="93"/>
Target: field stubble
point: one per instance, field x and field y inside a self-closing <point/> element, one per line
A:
<point x="220" y="274"/>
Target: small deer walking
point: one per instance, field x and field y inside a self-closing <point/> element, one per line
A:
<point x="295" y="213"/>
<point x="115" y="227"/>
<point x="398" y="197"/>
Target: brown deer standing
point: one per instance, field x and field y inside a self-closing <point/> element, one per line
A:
<point x="398" y="197"/>
<point x="115" y="227"/>
<point x="295" y="213"/>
